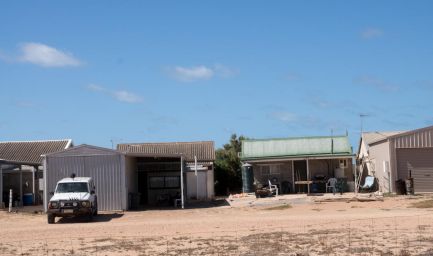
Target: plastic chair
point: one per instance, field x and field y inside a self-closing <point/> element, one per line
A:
<point x="273" y="188"/>
<point x="331" y="184"/>
<point x="368" y="184"/>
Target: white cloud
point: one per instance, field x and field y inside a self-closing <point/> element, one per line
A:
<point x="320" y="102"/>
<point x="95" y="87"/>
<point x="121" y="95"/>
<point x="376" y="82"/>
<point x="196" y="73"/>
<point x="126" y="96"/>
<point x="46" y="56"/>
<point x="224" y="71"/>
<point x="370" y="33"/>
<point x="286" y="117"/>
<point x="189" y="74"/>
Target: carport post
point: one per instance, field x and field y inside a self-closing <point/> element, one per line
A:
<point x="308" y="176"/>
<point x="33" y="183"/>
<point x="1" y="185"/>
<point x="181" y="182"/>
<point x="45" y="198"/>
<point x="21" y="186"/>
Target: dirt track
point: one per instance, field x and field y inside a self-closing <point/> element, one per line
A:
<point x="248" y="227"/>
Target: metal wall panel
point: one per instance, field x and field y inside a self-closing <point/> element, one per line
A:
<point x="420" y="162"/>
<point x="106" y="170"/>
<point x="421" y="139"/>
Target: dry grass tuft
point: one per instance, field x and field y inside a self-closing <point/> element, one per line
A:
<point x="423" y="204"/>
<point x="279" y="207"/>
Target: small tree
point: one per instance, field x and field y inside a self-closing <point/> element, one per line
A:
<point x="228" y="177"/>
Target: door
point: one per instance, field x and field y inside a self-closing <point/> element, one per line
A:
<point x="142" y="187"/>
<point x="420" y="162"/>
<point x="196" y="185"/>
<point x="300" y="171"/>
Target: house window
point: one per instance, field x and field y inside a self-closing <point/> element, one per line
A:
<point x="343" y="163"/>
<point x="172" y="181"/>
<point x="265" y="170"/>
<point x="164" y="182"/>
<point x="275" y="169"/>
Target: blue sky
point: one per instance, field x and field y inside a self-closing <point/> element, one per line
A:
<point x="139" y="71"/>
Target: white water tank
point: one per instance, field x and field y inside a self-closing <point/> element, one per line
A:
<point x="339" y="173"/>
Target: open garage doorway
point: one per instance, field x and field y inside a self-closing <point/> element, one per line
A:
<point x="154" y="181"/>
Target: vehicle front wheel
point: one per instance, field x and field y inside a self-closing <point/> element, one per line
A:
<point x="95" y="212"/>
<point x="51" y="218"/>
<point x="90" y="217"/>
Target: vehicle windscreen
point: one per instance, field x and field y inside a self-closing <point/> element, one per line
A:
<point x="73" y="187"/>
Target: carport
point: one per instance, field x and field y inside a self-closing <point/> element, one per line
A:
<point x="159" y="173"/>
<point x="155" y="180"/>
<point x="21" y="169"/>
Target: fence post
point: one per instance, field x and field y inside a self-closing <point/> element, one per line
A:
<point x="10" y="200"/>
<point x="350" y="249"/>
<point x="371" y="236"/>
<point x="419" y="233"/>
<point x="281" y="239"/>
<point x="237" y="243"/>
<point x="72" y="247"/>
<point x="395" y="231"/>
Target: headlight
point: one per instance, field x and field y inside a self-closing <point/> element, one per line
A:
<point x="74" y="204"/>
<point x="85" y="204"/>
<point x="54" y="205"/>
<point x="62" y="204"/>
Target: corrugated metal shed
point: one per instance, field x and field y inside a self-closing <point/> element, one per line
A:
<point x="106" y="166"/>
<point x="296" y="147"/>
<point x="401" y="151"/>
<point x="420" y="138"/>
<point x="29" y="152"/>
<point x="204" y="150"/>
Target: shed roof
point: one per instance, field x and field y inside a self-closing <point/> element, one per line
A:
<point x="30" y="152"/>
<point x="204" y="150"/>
<point x="296" y="147"/>
<point x="84" y="150"/>
<point x="373" y="137"/>
<point x="405" y="133"/>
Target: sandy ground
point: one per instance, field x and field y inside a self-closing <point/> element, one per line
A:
<point x="284" y="225"/>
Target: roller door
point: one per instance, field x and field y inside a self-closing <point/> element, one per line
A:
<point x="420" y="162"/>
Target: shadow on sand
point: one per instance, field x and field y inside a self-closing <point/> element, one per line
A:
<point x="101" y="217"/>
<point x="188" y="205"/>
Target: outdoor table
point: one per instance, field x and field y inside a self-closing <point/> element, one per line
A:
<point x="305" y="182"/>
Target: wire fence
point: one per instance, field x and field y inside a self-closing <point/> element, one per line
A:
<point x="379" y="236"/>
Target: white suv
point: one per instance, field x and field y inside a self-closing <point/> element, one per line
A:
<point x="73" y="196"/>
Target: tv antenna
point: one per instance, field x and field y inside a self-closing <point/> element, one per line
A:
<point x="114" y="140"/>
<point x="361" y="116"/>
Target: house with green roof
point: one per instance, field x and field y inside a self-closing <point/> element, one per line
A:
<point x="299" y="164"/>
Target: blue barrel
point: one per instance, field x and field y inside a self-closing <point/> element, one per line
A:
<point x="28" y="199"/>
<point x="247" y="178"/>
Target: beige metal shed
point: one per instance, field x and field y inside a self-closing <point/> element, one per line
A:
<point x="390" y="156"/>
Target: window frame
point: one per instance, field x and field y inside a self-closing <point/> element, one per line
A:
<point x="164" y="182"/>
